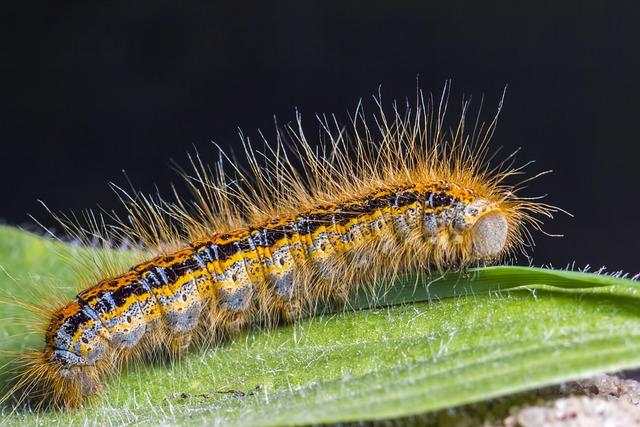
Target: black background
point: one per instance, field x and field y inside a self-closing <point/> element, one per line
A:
<point x="91" y="88"/>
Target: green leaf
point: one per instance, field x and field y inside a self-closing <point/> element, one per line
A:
<point x="463" y="338"/>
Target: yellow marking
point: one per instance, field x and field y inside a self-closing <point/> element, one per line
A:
<point x="77" y="336"/>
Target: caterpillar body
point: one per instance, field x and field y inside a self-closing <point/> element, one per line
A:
<point x="407" y="197"/>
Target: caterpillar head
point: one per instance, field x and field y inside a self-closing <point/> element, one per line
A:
<point x="486" y="229"/>
<point x="71" y="363"/>
<point x="489" y="235"/>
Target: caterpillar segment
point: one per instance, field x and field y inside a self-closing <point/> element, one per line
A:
<point x="263" y="273"/>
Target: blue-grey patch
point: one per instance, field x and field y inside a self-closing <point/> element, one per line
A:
<point x="233" y="270"/>
<point x="164" y="301"/>
<point x="283" y="285"/>
<point x="430" y="200"/>
<point x="471" y="210"/>
<point x="126" y="338"/>
<point x="109" y="299"/>
<point x="361" y="260"/>
<point x="67" y="358"/>
<point x="401" y="225"/>
<point x="145" y="285"/>
<point x="147" y="307"/>
<point x="89" y="312"/>
<point x="235" y="299"/>
<point x="95" y="345"/>
<point x="265" y="238"/>
<point x="131" y="337"/>
<point x="458" y="216"/>
<point x="154" y="278"/>
<point x="459" y="224"/>
<point x="163" y="275"/>
<point x="430" y="224"/>
<point x="252" y="245"/>
<point x="282" y="282"/>
<point x="206" y="254"/>
<point x="199" y="260"/>
<point x="359" y="231"/>
<point x="282" y="251"/>
<point x="317" y="242"/>
<point x="352" y="232"/>
<point x="63" y="338"/>
<point x="377" y="224"/>
<point x="448" y="216"/>
<point x="216" y="251"/>
<point x="185" y="320"/>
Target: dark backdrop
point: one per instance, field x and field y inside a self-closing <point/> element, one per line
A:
<point x="87" y="90"/>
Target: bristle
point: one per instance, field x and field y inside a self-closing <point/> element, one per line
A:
<point x="302" y="227"/>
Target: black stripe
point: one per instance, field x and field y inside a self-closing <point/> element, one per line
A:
<point x="442" y="199"/>
<point x="272" y="235"/>
<point x="121" y="295"/>
<point x="406" y="198"/>
<point x="307" y="224"/>
<point x="73" y="322"/>
<point x="181" y="268"/>
<point x="227" y="250"/>
<point x="245" y="245"/>
<point x="170" y="274"/>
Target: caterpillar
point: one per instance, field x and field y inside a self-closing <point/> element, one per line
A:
<point x="302" y="226"/>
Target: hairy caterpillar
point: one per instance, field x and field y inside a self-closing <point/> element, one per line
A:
<point x="273" y="243"/>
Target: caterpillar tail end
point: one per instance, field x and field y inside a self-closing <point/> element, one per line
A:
<point x="45" y="386"/>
